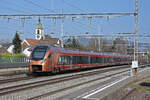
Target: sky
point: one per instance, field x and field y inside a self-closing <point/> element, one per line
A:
<point x="78" y="26"/>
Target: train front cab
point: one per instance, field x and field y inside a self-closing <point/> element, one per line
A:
<point x="41" y="59"/>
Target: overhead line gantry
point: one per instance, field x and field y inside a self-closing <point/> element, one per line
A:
<point x="81" y="15"/>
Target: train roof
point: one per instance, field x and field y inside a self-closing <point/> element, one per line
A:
<point x="64" y="50"/>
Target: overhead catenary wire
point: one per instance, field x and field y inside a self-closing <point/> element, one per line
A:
<point x="84" y="25"/>
<point x="46" y="8"/>
<point x="73" y="6"/>
<point x="37" y="5"/>
<point x="76" y="29"/>
<point x="19" y="5"/>
<point x="13" y="9"/>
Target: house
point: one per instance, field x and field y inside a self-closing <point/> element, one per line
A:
<point x="29" y="44"/>
<point x="3" y="50"/>
<point x="40" y="39"/>
<point x="10" y="49"/>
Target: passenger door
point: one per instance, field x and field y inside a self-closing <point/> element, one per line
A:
<point x="49" y="62"/>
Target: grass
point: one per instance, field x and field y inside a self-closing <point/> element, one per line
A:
<point x="12" y="55"/>
<point x="143" y="86"/>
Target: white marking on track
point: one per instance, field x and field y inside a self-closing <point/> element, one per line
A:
<point x="85" y="97"/>
<point x="106" y="86"/>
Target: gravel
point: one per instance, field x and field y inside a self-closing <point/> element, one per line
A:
<point x="48" y="88"/>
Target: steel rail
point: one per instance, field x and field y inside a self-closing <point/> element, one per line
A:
<point x="15" y="80"/>
<point x="77" y="85"/>
<point x="70" y="87"/>
<point x="22" y="87"/>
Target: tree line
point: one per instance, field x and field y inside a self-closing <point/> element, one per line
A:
<point x="119" y="45"/>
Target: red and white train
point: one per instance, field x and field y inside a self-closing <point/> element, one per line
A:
<point x="55" y="59"/>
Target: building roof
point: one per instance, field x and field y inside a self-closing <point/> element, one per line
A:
<point x="31" y="42"/>
<point x="47" y="40"/>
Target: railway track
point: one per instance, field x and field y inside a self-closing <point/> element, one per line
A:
<point x="32" y="85"/>
<point x="73" y="86"/>
<point x="10" y="74"/>
<point x="77" y="85"/>
<point x="7" y="78"/>
<point x="12" y="71"/>
<point x="15" y="79"/>
<point x="12" y="79"/>
<point x="22" y="87"/>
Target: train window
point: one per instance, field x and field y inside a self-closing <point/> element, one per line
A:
<point x="78" y="59"/>
<point x="99" y="59"/>
<point x="116" y="59"/>
<point x="59" y="60"/>
<point x="108" y="60"/>
<point x="90" y="59"/>
<point x="74" y="60"/>
<point x="93" y="59"/>
<point x="64" y="60"/>
<point x="102" y="58"/>
<point x="38" y="53"/>
<point x="119" y="59"/>
<point x="68" y="60"/>
<point x="123" y="59"/>
<point x="84" y="60"/>
<point x="105" y="60"/>
<point x="111" y="60"/>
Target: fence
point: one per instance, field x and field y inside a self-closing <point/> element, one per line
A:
<point x="14" y="59"/>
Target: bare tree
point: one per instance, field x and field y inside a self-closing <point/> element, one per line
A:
<point x="120" y="45"/>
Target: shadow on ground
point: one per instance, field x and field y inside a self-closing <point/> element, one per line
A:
<point x="145" y="84"/>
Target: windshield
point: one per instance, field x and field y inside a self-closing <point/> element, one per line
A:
<point x="39" y="52"/>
